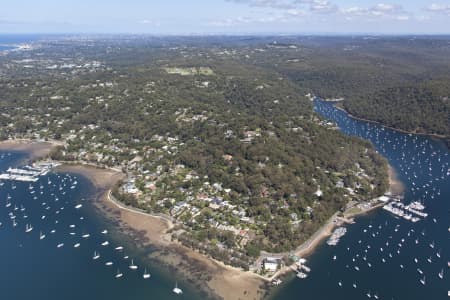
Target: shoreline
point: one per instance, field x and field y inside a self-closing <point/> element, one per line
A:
<point x="33" y="149"/>
<point x="306" y="249"/>
<point x="433" y="135"/>
<point x="222" y="281"/>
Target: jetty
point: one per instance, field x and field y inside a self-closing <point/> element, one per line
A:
<point x="28" y="173"/>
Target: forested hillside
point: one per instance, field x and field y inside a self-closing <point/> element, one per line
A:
<point x="402" y="82"/>
<point x="226" y="145"/>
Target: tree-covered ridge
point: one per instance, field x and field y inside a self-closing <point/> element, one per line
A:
<point x="402" y="82"/>
<point x="414" y="109"/>
<point x="229" y="147"/>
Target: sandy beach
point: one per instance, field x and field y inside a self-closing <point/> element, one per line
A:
<point x="307" y="248"/>
<point x="396" y="187"/>
<point x="222" y="282"/>
<point x="34" y="150"/>
<point x="214" y="278"/>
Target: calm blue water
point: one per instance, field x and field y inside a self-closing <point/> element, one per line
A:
<point x="423" y="165"/>
<point x="32" y="268"/>
<point x="8" y="40"/>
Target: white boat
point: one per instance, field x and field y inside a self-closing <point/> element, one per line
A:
<point x="118" y="274"/>
<point x="422" y="281"/>
<point x="146" y="275"/>
<point x="441" y="274"/>
<point x="109" y="263"/>
<point x="133" y="266"/>
<point x="105" y="243"/>
<point x="76" y="245"/>
<point x="28" y="228"/>
<point x="96" y="255"/>
<point x="79" y="206"/>
<point x="41" y="236"/>
<point x="119" y="248"/>
<point x="85" y="236"/>
<point x="60" y="245"/>
<point x="177" y="290"/>
<point x="105" y="231"/>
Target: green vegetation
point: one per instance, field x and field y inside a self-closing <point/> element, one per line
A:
<point x="233" y="152"/>
<point x="401" y="82"/>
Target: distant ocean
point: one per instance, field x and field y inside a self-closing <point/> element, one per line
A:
<point x="9" y="41"/>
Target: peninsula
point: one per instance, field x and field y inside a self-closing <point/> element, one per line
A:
<point x="220" y="162"/>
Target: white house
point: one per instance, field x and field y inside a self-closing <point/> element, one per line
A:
<point x="270" y="264"/>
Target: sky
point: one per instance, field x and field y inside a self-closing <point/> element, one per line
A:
<point x="161" y="17"/>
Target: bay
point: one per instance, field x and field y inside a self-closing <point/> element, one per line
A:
<point x="389" y="244"/>
<point x="34" y="268"/>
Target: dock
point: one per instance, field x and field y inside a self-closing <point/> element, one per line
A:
<point x="29" y="173"/>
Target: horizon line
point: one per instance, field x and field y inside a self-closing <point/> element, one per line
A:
<point x="169" y="34"/>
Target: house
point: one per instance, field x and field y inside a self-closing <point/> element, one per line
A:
<point x="271" y="264"/>
<point x="383" y="198"/>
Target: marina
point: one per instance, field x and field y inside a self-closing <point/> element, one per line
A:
<point x="406" y="239"/>
<point x="29" y="173"/>
<point x="412" y="212"/>
<point x="49" y="223"/>
<point x="335" y="237"/>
